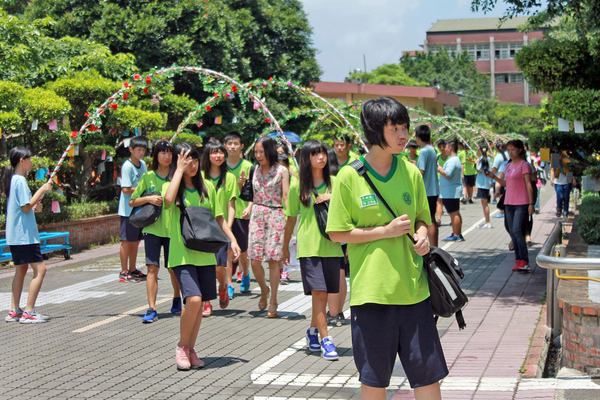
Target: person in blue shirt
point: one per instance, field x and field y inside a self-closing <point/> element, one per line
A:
<point x="427" y="164"/>
<point x="499" y="159"/>
<point x="483" y="183"/>
<point x="22" y="235"/>
<point x="451" y="190"/>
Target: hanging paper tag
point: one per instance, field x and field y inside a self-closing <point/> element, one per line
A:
<point x="256" y="105"/>
<point x="103" y="155"/>
<point x="555" y="160"/>
<point x="53" y="125"/>
<point x="544" y="154"/>
<point x="71" y="152"/>
<point x="199" y="124"/>
<point x="34" y="125"/>
<point x="136" y="132"/>
<point x="76" y="149"/>
<point x="563" y="125"/>
<point x="125" y="134"/>
<point x="55" y="206"/>
<point x="60" y="191"/>
<point x="218" y="121"/>
<point x="109" y="159"/>
<point x="578" y="127"/>
<point x="39" y="174"/>
<point x="234" y="120"/>
<point x="126" y="142"/>
<point x="0" y="133"/>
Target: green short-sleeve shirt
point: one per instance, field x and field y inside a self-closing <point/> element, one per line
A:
<point x="178" y="253"/>
<point x="244" y="165"/>
<point x="230" y="190"/>
<point x="441" y="161"/>
<point x="310" y="241"/>
<point x="151" y="182"/>
<point x="470" y="168"/>
<point x="386" y="271"/>
<point x="351" y="157"/>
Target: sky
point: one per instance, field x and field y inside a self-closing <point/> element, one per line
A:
<point x="345" y="30"/>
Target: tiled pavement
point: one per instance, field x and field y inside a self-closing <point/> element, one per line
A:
<point x="97" y="347"/>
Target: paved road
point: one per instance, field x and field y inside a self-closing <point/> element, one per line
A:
<point x="97" y="347"/>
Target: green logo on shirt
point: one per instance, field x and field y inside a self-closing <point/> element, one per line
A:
<point x="406" y="197"/>
<point x="368" y="200"/>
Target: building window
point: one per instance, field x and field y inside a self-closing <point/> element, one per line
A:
<point x="507" y="51"/>
<point x="516" y="78"/>
<point x="450" y="48"/>
<point x="501" y="78"/>
<point x="478" y="52"/>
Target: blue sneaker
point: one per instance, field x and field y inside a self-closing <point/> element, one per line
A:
<point x="312" y="339"/>
<point x="230" y="291"/>
<point x="452" y="238"/>
<point x="245" y="285"/>
<point x="328" y="349"/>
<point x="176" y="305"/>
<point x="151" y="316"/>
<point x="499" y="215"/>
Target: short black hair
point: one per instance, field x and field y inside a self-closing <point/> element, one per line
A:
<point x="453" y="145"/>
<point x="377" y="113"/>
<point x="343" y="137"/>
<point x="423" y="133"/>
<point x="441" y="142"/>
<point x="412" y="143"/>
<point x="270" y="146"/>
<point x="232" y="136"/>
<point x="138" y="141"/>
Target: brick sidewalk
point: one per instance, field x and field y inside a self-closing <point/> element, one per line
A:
<point x="97" y="347"/>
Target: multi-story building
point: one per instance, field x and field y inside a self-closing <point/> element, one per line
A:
<point x="493" y="48"/>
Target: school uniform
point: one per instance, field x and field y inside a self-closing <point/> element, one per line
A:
<point x="240" y="228"/>
<point x="225" y="193"/>
<point x="130" y="177"/>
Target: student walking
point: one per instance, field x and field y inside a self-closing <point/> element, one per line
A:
<point x="214" y="168"/>
<point x="427" y="164"/>
<point x="267" y="221"/>
<point x="22" y="235"/>
<point x="467" y="157"/>
<point x="195" y="270"/>
<point x="519" y="200"/>
<point x="320" y="258"/>
<point x="390" y="308"/>
<point x="483" y="183"/>
<point x="442" y="157"/>
<point x="561" y="179"/>
<point x="451" y="190"/>
<point x="240" y="168"/>
<point x="500" y="158"/>
<point x="131" y="172"/>
<point x="156" y="235"/>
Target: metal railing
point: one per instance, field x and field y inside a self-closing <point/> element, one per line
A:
<point x="552" y="257"/>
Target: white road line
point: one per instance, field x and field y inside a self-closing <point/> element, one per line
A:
<point x="471" y="229"/>
<point x="118" y="317"/>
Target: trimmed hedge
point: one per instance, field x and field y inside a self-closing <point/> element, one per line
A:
<point x="588" y="221"/>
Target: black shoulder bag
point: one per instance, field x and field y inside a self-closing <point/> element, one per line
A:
<point x="146" y="214"/>
<point x="321" y="213"/>
<point x="200" y="230"/>
<point x="443" y="270"/>
<point x="247" y="192"/>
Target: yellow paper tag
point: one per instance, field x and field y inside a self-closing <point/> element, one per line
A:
<point x="71" y="152"/>
<point x="545" y="155"/>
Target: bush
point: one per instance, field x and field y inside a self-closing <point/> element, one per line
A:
<point x="79" y="209"/>
<point x="588" y="221"/>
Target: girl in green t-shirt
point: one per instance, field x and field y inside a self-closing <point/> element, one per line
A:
<point x="157" y="234"/>
<point x="320" y="258"/>
<point x="215" y="170"/>
<point x="194" y="270"/>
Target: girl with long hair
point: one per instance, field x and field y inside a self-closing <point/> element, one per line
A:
<point x="214" y="168"/>
<point x="22" y="235"/>
<point x="267" y="221"/>
<point x="483" y="183"/>
<point x="195" y="270"/>
<point x="320" y="258"/>
<point x="156" y="235"/>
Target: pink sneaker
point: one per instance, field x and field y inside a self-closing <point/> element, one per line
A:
<point x="207" y="309"/>
<point x="182" y="358"/>
<point x="195" y="362"/>
<point x="285" y="278"/>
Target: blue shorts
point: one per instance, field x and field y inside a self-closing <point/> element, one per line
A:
<point x="222" y="256"/>
<point x="26" y="254"/>
<point x="321" y="274"/>
<point x="241" y="230"/>
<point x="483" y="194"/>
<point x="197" y="281"/>
<point x="152" y="244"/>
<point x="129" y="233"/>
<point x="379" y="332"/>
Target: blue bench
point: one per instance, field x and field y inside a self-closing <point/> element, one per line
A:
<point x="44" y="246"/>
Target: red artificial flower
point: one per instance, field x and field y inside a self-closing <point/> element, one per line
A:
<point x="126" y="84"/>
<point x="146" y="91"/>
<point x="136" y="77"/>
<point x="148" y="80"/>
<point x="216" y="94"/>
<point x="271" y="79"/>
<point x="86" y="115"/>
<point x="125" y="96"/>
<point x="234" y="88"/>
<point x="208" y="108"/>
<point x="114" y="106"/>
<point x="267" y="121"/>
<point x="74" y="134"/>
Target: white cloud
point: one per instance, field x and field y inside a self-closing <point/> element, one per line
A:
<point x="462" y="3"/>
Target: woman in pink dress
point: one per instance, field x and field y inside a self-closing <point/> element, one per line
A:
<point x="267" y="220"/>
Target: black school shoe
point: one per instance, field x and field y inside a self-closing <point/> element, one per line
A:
<point x="138" y="274"/>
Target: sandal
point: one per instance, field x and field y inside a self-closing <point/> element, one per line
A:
<point x="262" y="303"/>
<point x="511" y="247"/>
<point x="272" y="313"/>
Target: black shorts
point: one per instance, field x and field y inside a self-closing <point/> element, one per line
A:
<point x="483" y="194"/>
<point x="152" y="244"/>
<point x="321" y="273"/>
<point x="451" y="205"/>
<point x="222" y="256"/>
<point x="197" y="281"/>
<point x="129" y="233"/>
<point x="469" y="180"/>
<point x="26" y="254"/>
<point x="345" y="266"/>
<point x="241" y="230"/>
<point x="432" y="200"/>
<point x="379" y="332"/>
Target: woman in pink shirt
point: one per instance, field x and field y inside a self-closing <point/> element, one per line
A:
<point x="518" y="200"/>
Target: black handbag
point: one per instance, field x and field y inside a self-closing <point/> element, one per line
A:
<point x="146" y="214"/>
<point x="321" y="213"/>
<point x="443" y="270"/>
<point x="200" y="230"/>
<point x="247" y="192"/>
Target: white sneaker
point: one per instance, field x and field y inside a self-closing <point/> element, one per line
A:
<point x="487" y="226"/>
<point x="33" y="317"/>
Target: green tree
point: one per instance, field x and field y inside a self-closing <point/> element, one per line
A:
<point x="389" y="74"/>
<point x="517" y="118"/>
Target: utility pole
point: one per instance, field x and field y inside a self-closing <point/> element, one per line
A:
<point x="365" y="73"/>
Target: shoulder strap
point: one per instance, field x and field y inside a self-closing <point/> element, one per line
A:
<point x="360" y="167"/>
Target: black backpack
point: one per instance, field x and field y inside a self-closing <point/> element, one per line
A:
<point x="146" y="214"/>
<point x="443" y="270"/>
